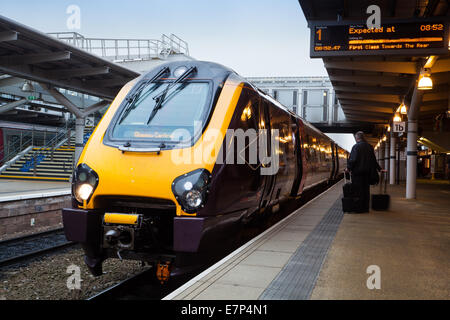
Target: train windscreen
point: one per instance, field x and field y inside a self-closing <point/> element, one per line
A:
<point x="158" y="116"/>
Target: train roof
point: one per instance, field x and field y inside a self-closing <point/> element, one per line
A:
<point x="205" y="69"/>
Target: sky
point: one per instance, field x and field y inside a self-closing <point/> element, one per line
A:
<point x="253" y="37"/>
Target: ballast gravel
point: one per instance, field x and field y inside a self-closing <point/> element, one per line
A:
<point x="54" y="277"/>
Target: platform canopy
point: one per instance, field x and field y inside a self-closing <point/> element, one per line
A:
<point x="30" y="54"/>
<point x="371" y="86"/>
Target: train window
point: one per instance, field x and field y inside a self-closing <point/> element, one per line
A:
<point x="185" y="107"/>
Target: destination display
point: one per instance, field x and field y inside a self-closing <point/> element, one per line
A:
<point x="394" y="38"/>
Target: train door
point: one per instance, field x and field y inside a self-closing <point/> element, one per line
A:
<point x="298" y="158"/>
<point x="336" y="151"/>
<point x="268" y="179"/>
<point x="333" y="162"/>
<point x="280" y="121"/>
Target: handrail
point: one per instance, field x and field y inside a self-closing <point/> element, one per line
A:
<point x="126" y="49"/>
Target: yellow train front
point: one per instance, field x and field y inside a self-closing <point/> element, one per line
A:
<point x="162" y="179"/>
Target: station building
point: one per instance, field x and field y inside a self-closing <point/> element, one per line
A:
<point x="312" y="98"/>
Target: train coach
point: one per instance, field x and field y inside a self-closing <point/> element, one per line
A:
<point x="184" y="156"/>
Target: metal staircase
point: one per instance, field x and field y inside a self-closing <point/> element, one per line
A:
<point x="54" y="162"/>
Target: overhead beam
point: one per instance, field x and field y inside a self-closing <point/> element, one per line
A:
<point x="375" y="79"/>
<point x="370" y="97"/>
<point x="440" y="78"/>
<point x="9" y="81"/>
<point x="368" y="109"/>
<point x="435" y="96"/>
<point x="95" y="107"/>
<point x="362" y="119"/>
<point x="441" y="65"/>
<point x="108" y="82"/>
<point x="62" y="99"/>
<point x="378" y="66"/>
<point x="34" y="58"/>
<point x="368" y="114"/>
<point x="81" y="72"/>
<point x="79" y="113"/>
<point x="373" y="90"/>
<point x="368" y="103"/>
<point x="39" y="75"/>
<point x="12" y="105"/>
<point x="8" y="36"/>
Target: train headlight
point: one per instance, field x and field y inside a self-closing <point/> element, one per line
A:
<point x="191" y="190"/>
<point x="84" y="182"/>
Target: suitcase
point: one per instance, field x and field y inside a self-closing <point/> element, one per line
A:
<point x="348" y="189"/>
<point x="349" y="201"/>
<point x="349" y="204"/>
<point x="381" y="201"/>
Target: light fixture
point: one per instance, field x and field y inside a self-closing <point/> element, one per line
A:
<point x="384" y="138"/>
<point x="27" y="86"/>
<point x="397" y="118"/>
<point x="425" y="82"/>
<point x="388" y="128"/>
<point x="403" y="109"/>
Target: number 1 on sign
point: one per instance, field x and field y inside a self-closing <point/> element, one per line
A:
<point x="319" y="34"/>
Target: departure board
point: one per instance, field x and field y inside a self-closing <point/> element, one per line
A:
<point x="393" y="38"/>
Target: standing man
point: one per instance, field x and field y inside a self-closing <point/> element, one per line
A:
<point x="360" y="163"/>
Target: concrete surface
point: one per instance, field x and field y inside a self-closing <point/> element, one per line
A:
<point x="410" y="243"/>
<point x="21" y="189"/>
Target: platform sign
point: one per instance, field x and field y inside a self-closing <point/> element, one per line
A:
<point x="399" y="127"/>
<point x="415" y="38"/>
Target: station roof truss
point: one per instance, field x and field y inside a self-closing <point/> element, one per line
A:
<point x="32" y="55"/>
<point x="370" y="88"/>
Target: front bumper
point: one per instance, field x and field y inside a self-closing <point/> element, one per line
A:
<point x="190" y="234"/>
<point x="86" y="227"/>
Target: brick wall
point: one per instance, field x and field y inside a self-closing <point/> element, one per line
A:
<point x="15" y="216"/>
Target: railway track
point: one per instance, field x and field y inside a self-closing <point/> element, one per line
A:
<point x="21" y="249"/>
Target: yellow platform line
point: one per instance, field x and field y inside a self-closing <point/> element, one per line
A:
<point x="33" y="178"/>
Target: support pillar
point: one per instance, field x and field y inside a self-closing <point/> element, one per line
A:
<point x="392" y="167"/>
<point x="79" y="137"/>
<point x="382" y="155"/>
<point x="411" y="151"/>
<point x="386" y="154"/>
<point x="411" y="160"/>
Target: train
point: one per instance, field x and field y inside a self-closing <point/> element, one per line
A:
<point x="185" y="155"/>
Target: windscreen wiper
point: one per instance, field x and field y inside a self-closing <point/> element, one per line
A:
<point x="161" y="96"/>
<point x="132" y="99"/>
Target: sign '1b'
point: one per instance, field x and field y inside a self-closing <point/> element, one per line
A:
<point x="399" y="126"/>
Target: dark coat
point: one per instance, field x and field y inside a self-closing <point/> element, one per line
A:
<point x="362" y="159"/>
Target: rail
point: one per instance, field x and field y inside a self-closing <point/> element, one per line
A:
<point x="126" y="49"/>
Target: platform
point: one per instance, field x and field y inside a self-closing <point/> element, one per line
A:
<point x="12" y="190"/>
<point x="319" y="253"/>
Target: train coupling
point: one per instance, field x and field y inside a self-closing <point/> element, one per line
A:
<point x="163" y="270"/>
<point x="119" y="230"/>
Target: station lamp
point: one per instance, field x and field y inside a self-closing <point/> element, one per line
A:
<point x="402" y="109"/>
<point x="27" y="87"/>
<point x="397" y="117"/>
<point x="425" y="82"/>
<point x="384" y="138"/>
